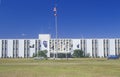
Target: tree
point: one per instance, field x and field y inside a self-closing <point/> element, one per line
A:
<point x="78" y="53"/>
<point x="34" y="55"/>
<point x="61" y="55"/>
<point x="42" y="53"/>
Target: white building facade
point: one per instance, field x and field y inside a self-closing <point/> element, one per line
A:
<point x="25" y="48"/>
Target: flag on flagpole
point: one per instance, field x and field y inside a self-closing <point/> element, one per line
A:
<point x="55" y="11"/>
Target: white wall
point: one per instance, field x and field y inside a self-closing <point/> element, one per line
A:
<point x="75" y="43"/>
<point x="10" y="48"/>
<point x="45" y="37"/>
<point x="112" y="46"/>
<point x="21" y="48"/>
<point x="45" y="48"/>
<point x="89" y="46"/>
<point x="100" y="48"/>
<point x="32" y="50"/>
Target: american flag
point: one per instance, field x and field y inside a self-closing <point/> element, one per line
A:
<point x="55" y="11"/>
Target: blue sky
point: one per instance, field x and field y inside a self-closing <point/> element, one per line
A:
<point x="76" y="18"/>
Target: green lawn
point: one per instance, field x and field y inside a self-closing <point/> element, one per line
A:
<point x="86" y="67"/>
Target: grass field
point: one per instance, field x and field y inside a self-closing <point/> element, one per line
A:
<point x="86" y="67"/>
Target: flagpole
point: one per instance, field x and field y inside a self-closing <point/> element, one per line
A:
<point x="56" y="31"/>
<point x="56" y="34"/>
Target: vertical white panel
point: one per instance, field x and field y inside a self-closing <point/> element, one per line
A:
<point x="0" y="48"/>
<point x="32" y="49"/>
<point x="10" y="48"/>
<point x="43" y="47"/>
<point x="75" y="43"/>
<point x="100" y="48"/>
<point x="21" y="48"/>
<point x="89" y="47"/>
<point x="48" y="54"/>
<point x="45" y="39"/>
<point x="112" y="46"/>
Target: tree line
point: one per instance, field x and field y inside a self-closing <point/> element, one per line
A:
<point x="76" y="54"/>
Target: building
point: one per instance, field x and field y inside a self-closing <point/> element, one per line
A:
<point x="25" y="48"/>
